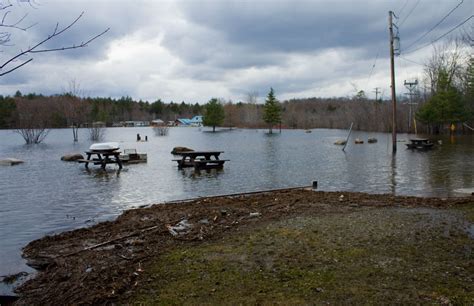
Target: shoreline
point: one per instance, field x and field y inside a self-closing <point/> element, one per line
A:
<point x="106" y="262"/>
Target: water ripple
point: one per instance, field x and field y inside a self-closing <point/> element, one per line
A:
<point x="47" y="196"/>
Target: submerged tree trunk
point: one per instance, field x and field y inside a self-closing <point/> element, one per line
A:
<point x="96" y="133"/>
<point x="75" y="130"/>
<point x="33" y="135"/>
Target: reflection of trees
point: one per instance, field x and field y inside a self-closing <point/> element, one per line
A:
<point x="450" y="165"/>
<point x="271" y="160"/>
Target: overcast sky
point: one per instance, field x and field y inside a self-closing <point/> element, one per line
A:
<point x="195" y="50"/>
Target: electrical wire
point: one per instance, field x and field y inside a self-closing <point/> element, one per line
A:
<point x="402" y="70"/>
<point x="373" y="66"/>
<point x="403" y="7"/>
<point x="409" y="13"/>
<point x="440" y="37"/>
<point x="411" y="61"/>
<point x="437" y="24"/>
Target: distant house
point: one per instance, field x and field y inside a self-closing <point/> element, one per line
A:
<point x="157" y="122"/>
<point x="182" y="122"/>
<point x="98" y="124"/>
<point x="135" y="123"/>
<point x="194" y="121"/>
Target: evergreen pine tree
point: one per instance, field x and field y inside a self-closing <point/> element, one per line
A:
<point x="445" y="106"/>
<point x="214" y="114"/>
<point x="272" y="111"/>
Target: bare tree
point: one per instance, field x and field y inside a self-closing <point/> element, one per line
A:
<point x="32" y="121"/>
<point x="252" y="113"/>
<point x="467" y="36"/>
<point x="449" y="58"/>
<point x="25" y="56"/>
<point x="231" y="114"/>
<point x="7" y="26"/>
<point x="74" y="108"/>
<point x="161" y="130"/>
<point x="96" y="131"/>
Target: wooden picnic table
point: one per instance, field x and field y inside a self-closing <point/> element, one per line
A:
<point x="420" y="143"/>
<point x="200" y="159"/>
<point x="103" y="157"/>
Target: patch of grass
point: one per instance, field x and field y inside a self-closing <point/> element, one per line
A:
<point x="468" y="211"/>
<point x="376" y="257"/>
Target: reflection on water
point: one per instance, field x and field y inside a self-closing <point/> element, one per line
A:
<point x="393" y="173"/>
<point x="46" y="195"/>
<point x="450" y="166"/>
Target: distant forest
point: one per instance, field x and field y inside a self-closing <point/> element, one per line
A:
<point x="444" y="103"/>
<point x="60" y="111"/>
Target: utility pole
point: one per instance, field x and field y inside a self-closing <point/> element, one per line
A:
<point x="411" y="86"/>
<point x="392" y="72"/>
<point x="377" y="91"/>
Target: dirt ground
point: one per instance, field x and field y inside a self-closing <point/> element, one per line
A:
<point x="138" y="258"/>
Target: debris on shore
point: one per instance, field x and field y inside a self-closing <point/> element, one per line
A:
<point x="112" y="262"/>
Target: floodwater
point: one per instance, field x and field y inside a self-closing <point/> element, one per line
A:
<point x="46" y="196"/>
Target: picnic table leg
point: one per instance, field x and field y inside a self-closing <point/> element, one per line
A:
<point x="119" y="162"/>
<point x="181" y="162"/>
<point x="102" y="161"/>
<point x="88" y="158"/>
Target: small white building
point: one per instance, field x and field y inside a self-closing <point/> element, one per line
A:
<point x="157" y="122"/>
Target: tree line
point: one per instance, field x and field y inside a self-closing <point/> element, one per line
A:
<point x="450" y="77"/>
<point x="66" y="110"/>
<point x="445" y="103"/>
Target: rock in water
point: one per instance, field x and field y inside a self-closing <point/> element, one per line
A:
<point x="72" y="157"/>
<point x="177" y="150"/>
<point x="358" y="141"/>
<point x="10" y="161"/>
<point x="340" y="142"/>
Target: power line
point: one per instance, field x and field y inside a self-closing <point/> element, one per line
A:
<point x="403" y="7"/>
<point x="437" y="24"/>
<point x="411" y="61"/>
<point x="373" y="66"/>
<point x="433" y="41"/>
<point x="409" y="13"/>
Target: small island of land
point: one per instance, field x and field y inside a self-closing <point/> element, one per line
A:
<point x="294" y="246"/>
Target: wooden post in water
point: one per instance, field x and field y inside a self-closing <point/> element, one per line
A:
<point x="347" y="139"/>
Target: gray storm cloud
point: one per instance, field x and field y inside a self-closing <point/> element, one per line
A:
<point x="194" y="50"/>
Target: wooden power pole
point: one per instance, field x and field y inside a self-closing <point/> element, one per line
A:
<point x="377" y="91"/>
<point x="392" y="72"/>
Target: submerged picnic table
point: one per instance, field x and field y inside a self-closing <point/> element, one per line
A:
<point x="103" y="157"/>
<point x="420" y="144"/>
<point x="200" y="159"/>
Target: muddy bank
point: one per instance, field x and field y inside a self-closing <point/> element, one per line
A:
<point x="110" y="262"/>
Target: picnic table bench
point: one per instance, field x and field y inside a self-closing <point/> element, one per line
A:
<point x="200" y="160"/>
<point x="103" y="157"/>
